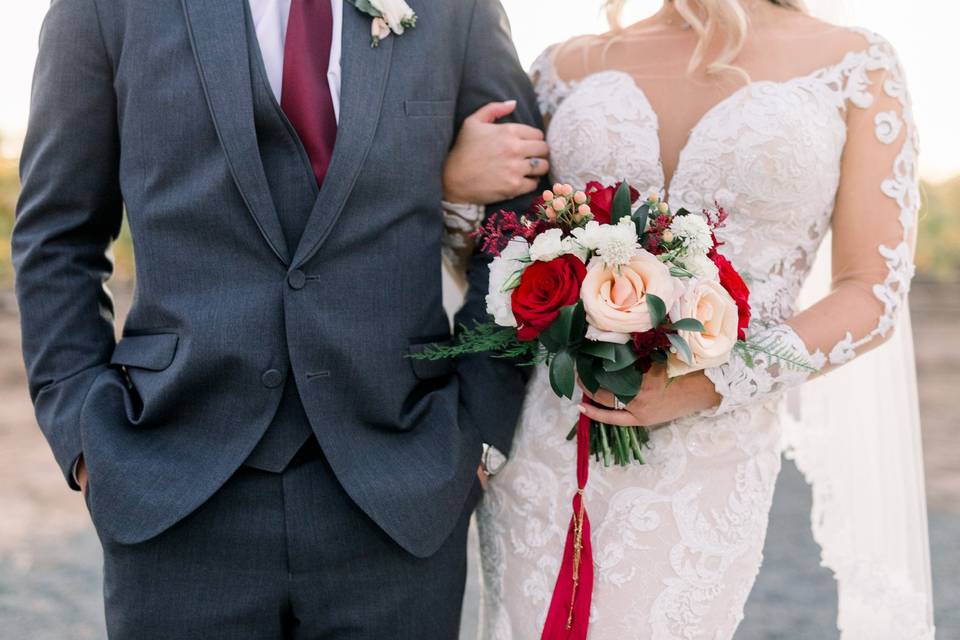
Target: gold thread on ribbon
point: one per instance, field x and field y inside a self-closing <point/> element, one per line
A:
<point x="577" y="549"/>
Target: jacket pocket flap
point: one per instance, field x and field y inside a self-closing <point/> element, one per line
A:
<point x="427" y="369"/>
<point x="152" y="351"/>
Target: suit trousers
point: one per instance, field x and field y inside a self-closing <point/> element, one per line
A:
<point x="283" y="555"/>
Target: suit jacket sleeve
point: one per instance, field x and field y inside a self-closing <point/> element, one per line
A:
<point x="492" y="390"/>
<point x="69" y="212"/>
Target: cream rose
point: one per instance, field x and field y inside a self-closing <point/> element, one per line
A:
<point x="615" y="298"/>
<point x="708" y="302"/>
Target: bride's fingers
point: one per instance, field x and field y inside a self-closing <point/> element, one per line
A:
<point x="602" y="396"/>
<point x="608" y="416"/>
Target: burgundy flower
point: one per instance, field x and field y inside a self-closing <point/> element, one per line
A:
<point x="601" y="200"/>
<point x="644" y="344"/>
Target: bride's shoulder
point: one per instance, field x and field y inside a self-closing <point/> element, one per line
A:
<point x="835" y="43"/>
<point x="566" y="61"/>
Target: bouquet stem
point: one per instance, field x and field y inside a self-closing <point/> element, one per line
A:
<point x="613" y="445"/>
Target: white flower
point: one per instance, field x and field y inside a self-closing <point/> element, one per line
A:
<point x="505" y="270"/>
<point x="397" y="13"/>
<point x="549" y="245"/>
<point x="589" y="237"/>
<point x="615" y="244"/>
<point x="695" y="233"/>
<point x="618" y="243"/>
<point x="701" y="266"/>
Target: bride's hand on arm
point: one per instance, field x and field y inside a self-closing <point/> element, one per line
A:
<point x="493" y="162"/>
<point x="660" y="400"/>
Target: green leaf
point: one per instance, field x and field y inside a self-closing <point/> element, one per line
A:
<point x="563" y="375"/>
<point x="683" y="349"/>
<point x="658" y="310"/>
<point x="558" y="333"/>
<point x="625" y="357"/>
<point x="603" y="350"/>
<point x="681" y="212"/>
<point x="512" y="282"/>
<point x="679" y="272"/>
<point x="366" y="7"/>
<point x="585" y="368"/>
<point x="689" y="324"/>
<point x="578" y="323"/>
<point x="621" y="203"/>
<point x="658" y="356"/>
<point x="624" y="384"/>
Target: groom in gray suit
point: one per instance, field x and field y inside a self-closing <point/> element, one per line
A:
<point x="260" y="456"/>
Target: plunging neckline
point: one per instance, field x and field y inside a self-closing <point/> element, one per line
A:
<point x="666" y="186"/>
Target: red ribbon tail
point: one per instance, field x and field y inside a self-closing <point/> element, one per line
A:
<point x="569" y="614"/>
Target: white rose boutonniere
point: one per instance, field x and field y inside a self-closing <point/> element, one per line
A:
<point x="389" y="16"/>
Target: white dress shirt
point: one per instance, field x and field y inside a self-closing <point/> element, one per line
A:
<point x="270" y="19"/>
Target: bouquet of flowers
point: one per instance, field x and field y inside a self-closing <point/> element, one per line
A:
<point x="601" y="286"/>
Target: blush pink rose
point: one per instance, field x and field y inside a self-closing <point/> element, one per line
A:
<point x="615" y="298"/>
<point x="708" y="302"/>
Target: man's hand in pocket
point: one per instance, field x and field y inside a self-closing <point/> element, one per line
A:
<point x="80" y="474"/>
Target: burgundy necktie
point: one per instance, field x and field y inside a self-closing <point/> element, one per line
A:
<point x="306" y="99"/>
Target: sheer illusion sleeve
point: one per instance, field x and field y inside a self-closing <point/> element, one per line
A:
<point x="874" y="234"/>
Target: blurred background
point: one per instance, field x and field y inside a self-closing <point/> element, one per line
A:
<point x="49" y="555"/>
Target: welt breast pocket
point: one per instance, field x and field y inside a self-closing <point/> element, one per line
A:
<point x="429" y="108"/>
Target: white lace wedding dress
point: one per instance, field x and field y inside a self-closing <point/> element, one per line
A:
<point x="678" y="542"/>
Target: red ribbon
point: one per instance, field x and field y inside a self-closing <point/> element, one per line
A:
<point x="569" y="614"/>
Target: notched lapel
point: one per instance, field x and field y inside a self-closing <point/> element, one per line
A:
<point x="218" y="35"/>
<point x="365" y="71"/>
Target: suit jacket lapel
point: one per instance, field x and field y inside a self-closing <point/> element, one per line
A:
<point x="365" y="71"/>
<point x="218" y="34"/>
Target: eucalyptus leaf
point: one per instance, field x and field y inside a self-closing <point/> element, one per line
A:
<point x="658" y="310"/>
<point x="585" y="367"/>
<point x="563" y="375"/>
<point x="624" y="384"/>
<point x="366" y="7"/>
<point x="625" y="357"/>
<point x="683" y="349"/>
<point x="604" y="350"/>
<point x="689" y="324"/>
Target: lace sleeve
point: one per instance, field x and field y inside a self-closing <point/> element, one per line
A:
<point x="874" y="234"/>
<point x="460" y="221"/>
<point x="551" y="90"/>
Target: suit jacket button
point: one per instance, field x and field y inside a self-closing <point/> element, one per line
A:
<point x="271" y="379"/>
<point x="297" y="279"/>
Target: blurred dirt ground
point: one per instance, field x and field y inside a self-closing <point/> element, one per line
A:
<point x="50" y="558"/>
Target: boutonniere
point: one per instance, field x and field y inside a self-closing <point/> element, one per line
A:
<point x="389" y="16"/>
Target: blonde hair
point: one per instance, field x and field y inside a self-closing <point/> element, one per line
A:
<point x="710" y="20"/>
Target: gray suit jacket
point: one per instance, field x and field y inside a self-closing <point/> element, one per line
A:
<point x="147" y="106"/>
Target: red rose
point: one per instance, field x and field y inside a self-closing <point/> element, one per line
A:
<point x="737" y="288"/>
<point x="601" y="200"/>
<point x="545" y="288"/>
